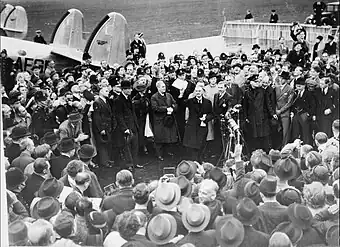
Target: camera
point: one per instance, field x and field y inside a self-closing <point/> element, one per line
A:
<point x="231" y="122"/>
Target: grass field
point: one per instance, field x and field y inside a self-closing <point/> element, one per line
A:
<point x="162" y="20"/>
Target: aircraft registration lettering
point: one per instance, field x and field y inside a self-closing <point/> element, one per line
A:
<point x="26" y="63"/>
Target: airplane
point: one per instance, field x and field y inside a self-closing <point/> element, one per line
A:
<point x="108" y="41"/>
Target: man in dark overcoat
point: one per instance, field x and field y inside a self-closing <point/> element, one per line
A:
<point x="7" y="71"/>
<point x="257" y="112"/>
<point x="164" y="122"/>
<point x="126" y="135"/>
<point x="196" y="129"/>
<point x="326" y="106"/>
<point x="104" y="122"/>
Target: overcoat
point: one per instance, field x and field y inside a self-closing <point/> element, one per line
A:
<point x="195" y="134"/>
<point x="159" y="105"/>
<point x="258" y="110"/>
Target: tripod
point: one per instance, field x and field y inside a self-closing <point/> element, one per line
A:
<point x="231" y="135"/>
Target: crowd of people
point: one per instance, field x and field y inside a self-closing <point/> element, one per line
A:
<point x="279" y="187"/>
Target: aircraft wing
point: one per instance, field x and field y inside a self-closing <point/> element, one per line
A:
<point x="71" y="53"/>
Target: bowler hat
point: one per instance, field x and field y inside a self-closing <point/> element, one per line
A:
<point x="223" y="56"/>
<point x="97" y="219"/>
<point x="277" y="52"/>
<point x="14" y="177"/>
<point x="64" y="224"/>
<point x="4" y="51"/>
<point x="186" y="168"/>
<point x="229" y="231"/>
<point x="86" y="56"/>
<point x="46" y="208"/>
<point x="300" y="81"/>
<point x="87" y="151"/>
<point x="286" y="168"/>
<point x="17" y="233"/>
<point x="236" y="65"/>
<point x="75" y="117"/>
<point x="184" y="184"/>
<point x="162" y="228"/>
<point x="51" y="187"/>
<point x="321" y="174"/>
<point x="255" y="46"/>
<point x="319" y="37"/>
<point x="88" y="95"/>
<point x="66" y="144"/>
<point x="244" y="57"/>
<point x="268" y="186"/>
<point x="295" y="234"/>
<point x="200" y="72"/>
<point x="212" y="74"/>
<point x="125" y="84"/>
<point x="50" y="138"/>
<point x="246" y="211"/>
<point x="288" y="196"/>
<point x="71" y="200"/>
<point x="332" y="235"/>
<point x="167" y="195"/>
<point x="285" y="75"/>
<point x="171" y="69"/>
<point x="300" y="215"/>
<point x="19" y="132"/>
<point x="331" y="37"/>
<point x="216" y="65"/>
<point x="223" y="69"/>
<point x="196" y="217"/>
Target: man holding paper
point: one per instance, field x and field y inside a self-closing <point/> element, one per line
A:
<point x="196" y="130"/>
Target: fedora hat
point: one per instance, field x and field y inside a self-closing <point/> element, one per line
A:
<point x="167" y="195"/>
<point x="218" y="176"/>
<point x="14" y="177"/>
<point x="268" y="186"/>
<point x="229" y="231"/>
<point x="295" y="234"/>
<point x="97" y="219"/>
<point x="51" y="187"/>
<point x="87" y="151"/>
<point x="17" y="233"/>
<point x="162" y="228"/>
<point x="66" y="144"/>
<point x="196" y="217"/>
<point x="285" y="75"/>
<point x="168" y="121"/>
<point x="50" y="138"/>
<point x="286" y="168"/>
<point x="75" y="117"/>
<point x="19" y="132"/>
<point x="186" y="168"/>
<point x="184" y="184"/>
<point x="332" y="235"/>
<point x="288" y="196"/>
<point x="300" y="215"/>
<point x="64" y="224"/>
<point x="246" y="211"/>
<point x="46" y="208"/>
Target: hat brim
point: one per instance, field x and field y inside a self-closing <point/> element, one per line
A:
<point x="192" y="171"/>
<point x="56" y="193"/>
<point x="67" y="149"/>
<point x="80" y="117"/>
<point x="55" y="142"/>
<point x="35" y="213"/>
<point x="172" y="234"/>
<point x="285" y="175"/>
<point x="20" y="136"/>
<point x="202" y="226"/>
<point x="298" y="233"/>
<point x="83" y="156"/>
<point x="219" y="225"/>
<point x="174" y="202"/>
<point x="296" y="221"/>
